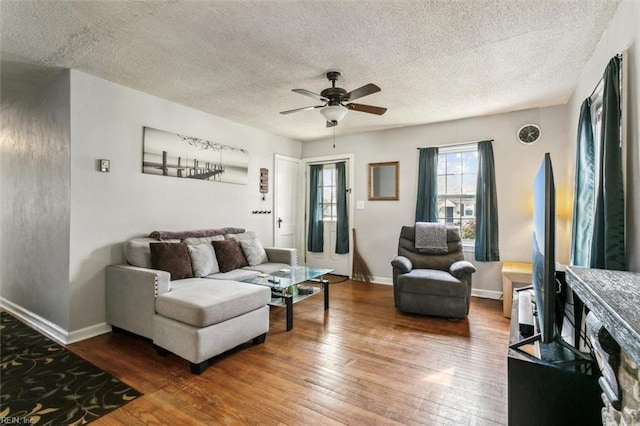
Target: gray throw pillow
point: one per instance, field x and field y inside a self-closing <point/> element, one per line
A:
<point x="203" y="259"/>
<point x="254" y="252"/>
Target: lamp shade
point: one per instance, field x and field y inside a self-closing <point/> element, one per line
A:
<point x="334" y="113"/>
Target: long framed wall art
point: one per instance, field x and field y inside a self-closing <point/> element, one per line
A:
<point x="181" y="156"/>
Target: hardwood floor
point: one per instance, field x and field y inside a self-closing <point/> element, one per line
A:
<point x="361" y="362"/>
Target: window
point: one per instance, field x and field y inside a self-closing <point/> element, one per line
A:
<point x="329" y="199"/>
<point x="457" y="176"/>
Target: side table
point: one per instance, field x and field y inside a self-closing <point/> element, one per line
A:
<point x="514" y="274"/>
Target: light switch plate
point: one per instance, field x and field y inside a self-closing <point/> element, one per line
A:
<point x="359" y="205"/>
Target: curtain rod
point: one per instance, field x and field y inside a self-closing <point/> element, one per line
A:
<point x="458" y="144"/>
<point x="595" y="89"/>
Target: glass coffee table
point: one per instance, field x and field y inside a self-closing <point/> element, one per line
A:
<point x="284" y="287"/>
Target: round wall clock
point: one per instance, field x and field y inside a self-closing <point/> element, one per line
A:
<point x="529" y="133"/>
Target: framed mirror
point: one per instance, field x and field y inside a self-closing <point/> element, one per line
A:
<point x="383" y="181"/>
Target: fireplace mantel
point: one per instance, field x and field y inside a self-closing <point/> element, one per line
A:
<point x="614" y="297"/>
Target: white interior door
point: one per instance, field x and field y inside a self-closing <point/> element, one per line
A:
<point x="340" y="263"/>
<point x="286" y="194"/>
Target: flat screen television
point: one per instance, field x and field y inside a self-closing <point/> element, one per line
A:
<point x="544" y="277"/>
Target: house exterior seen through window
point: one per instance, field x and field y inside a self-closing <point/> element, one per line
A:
<point x="457" y="176"/>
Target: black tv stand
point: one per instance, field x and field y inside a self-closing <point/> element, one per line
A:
<point x="549" y="383"/>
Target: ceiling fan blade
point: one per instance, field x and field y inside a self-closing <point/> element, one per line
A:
<point x="311" y="94"/>
<point x="365" y="90"/>
<point x="367" y="108"/>
<point x="301" y="109"/>
<point x="331" y="123"/>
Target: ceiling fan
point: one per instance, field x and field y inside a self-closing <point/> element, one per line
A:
<point x="334" y="108"/>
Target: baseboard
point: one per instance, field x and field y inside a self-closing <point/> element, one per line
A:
<point x="382" y="280"/>
<point x="50" y="329"/>
<point x="486" y="294"/>
<point x="88" y="332"/>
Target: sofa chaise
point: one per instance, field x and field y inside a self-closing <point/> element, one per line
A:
<point x="183" y="291"/>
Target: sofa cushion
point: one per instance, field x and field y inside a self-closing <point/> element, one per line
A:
<point x="137" y="252"/>
<point x="203" y="240"/>
<point x="173" y="258"/>
<point x="203" y="259"/>
<point x="253" y="251"/>
<point x="241" y="236"/>
<point x="433" y="282"/>
<point x="268" y="268"/>
<point x="235" y="275"/>
<point x="211" y="302"/>
<point x="229" y="255"/>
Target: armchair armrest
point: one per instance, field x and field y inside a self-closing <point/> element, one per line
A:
<point x="130" y="294"/>
<point x="461" y="267"/>
<point x="282" y="255"/>
<point x="402" y="263"/>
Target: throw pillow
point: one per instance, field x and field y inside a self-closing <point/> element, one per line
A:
<point x="229" y="255"/>
<point x="173" y="258"/>
<point x="254" y="251"/>
<point x="203" y="259"/>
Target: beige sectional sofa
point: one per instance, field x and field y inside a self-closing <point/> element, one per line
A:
<point x="183" y="291"/>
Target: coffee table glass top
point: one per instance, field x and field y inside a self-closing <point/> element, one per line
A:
<point x="288" y="277"/>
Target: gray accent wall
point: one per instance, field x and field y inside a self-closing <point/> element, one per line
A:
<point x="35" y="212"/>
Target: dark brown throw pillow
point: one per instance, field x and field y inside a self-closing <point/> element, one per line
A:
<point x="229" y="255"/>
<point x="173" y="258"/>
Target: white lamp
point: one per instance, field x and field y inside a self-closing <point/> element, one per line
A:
<point x="334" y="113"/>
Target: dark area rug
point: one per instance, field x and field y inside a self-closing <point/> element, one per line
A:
<point x="43" y="383"/>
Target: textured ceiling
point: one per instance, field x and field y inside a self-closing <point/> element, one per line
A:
<point x="433" y="60"/>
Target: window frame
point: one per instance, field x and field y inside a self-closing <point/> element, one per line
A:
<point x="461" y="217"/>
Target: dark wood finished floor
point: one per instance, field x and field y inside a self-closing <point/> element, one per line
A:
<point x="361" y="363"/>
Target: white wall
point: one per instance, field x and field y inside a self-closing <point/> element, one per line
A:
<point x="622" y="33"/>
<point x="34" y="173"/>
<point x="378" y="224"/>
<point x="109" y="208"/>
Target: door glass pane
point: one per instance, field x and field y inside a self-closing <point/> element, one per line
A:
<point x="326" y="195"/>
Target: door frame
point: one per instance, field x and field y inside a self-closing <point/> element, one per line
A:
<point x="330" y="159"/>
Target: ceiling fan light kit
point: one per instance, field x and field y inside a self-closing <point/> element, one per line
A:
<point x="334" y="108"/>
<point x="334" y="113"/>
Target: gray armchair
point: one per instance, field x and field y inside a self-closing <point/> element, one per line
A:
<point x="432" y="284"/>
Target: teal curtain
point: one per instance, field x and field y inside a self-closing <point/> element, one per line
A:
<point x="427" y="202"/>
<point x="342" y="224"/>
<point x="315" y="236"/>
<point x="584" y="189"/>
<point x="608" y="241"/>
<point x="486" y="206"/>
